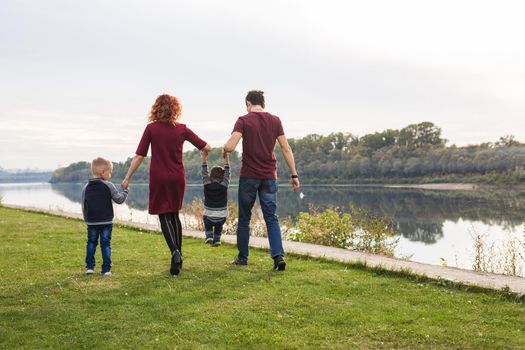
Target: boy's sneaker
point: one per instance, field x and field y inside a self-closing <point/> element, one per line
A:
<point x="238" y="261"/>
<point x="107" y="273"/>
<point x="216" y="242"/>
<point x="278" y="263"/>
<point x="176" y="263"/>
<point x="90" y="271"/>
<point x="208" y="240"/>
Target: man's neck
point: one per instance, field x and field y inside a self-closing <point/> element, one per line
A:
<point x="256" y="108"/>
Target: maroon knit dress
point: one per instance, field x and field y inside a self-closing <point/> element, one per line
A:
<point x="167" y="178"/>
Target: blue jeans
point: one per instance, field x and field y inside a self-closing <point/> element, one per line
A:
<point x="213" y="228"/>
<point x="267" y="190"/>
<point x="94" y="232"/>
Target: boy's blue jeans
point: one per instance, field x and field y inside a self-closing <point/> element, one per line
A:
<point x="267" y="190"/>
<point x="213" y="228"/>
<point x="94" y="233"/>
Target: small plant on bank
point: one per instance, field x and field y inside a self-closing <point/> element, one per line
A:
<point x="360" y="230"/>
<point x="327" y="228"/>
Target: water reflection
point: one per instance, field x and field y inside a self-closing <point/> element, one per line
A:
<point x="418" y="215"/>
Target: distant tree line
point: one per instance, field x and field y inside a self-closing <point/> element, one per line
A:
<point x="24" y="176"/>
<point x="414" y="154"/>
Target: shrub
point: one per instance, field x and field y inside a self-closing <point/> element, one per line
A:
<point x="360" y="230"/>
<point x="327" y="228"/>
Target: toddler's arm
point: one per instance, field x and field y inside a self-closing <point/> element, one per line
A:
<point x="117" y="196"/>
<point x="204" y="172"/>
<point x="227" y="175"/>
<point x="84" y="207"/>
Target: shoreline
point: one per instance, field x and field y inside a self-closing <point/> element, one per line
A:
<point x="424" y="186"/>
<point x="441" y="186"/>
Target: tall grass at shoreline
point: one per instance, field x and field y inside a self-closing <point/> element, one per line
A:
<point x="506" y="257"/>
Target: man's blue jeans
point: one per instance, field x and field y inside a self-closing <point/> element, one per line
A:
<point x="267" y="190"/>
<point x="94" y="233"/>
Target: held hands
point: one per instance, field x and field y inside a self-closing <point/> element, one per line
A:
<point x="125" y="184"/>
<point x="226" y="157"/>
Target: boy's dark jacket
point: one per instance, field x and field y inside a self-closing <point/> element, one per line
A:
<point x="97" y="206"/>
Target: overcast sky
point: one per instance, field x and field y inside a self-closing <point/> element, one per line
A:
<point x="77" y="78"/>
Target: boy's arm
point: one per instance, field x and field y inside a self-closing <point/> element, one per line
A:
<point x="227" y="175"/>
<point x="118" y="196"/>
<point x="204" y="172"/>
<point x="83" y="202"/>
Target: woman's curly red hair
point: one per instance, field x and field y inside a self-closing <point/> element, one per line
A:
<point x="166" y="109"/>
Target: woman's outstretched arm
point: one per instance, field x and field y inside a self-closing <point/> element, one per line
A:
<point x="135" y="163"/>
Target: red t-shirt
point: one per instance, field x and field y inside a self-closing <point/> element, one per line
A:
<point x="259" y="133"/>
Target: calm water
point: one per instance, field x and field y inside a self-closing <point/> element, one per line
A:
<point x="432" y="225"/>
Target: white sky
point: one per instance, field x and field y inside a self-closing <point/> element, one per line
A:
<point x="77" y="79"/>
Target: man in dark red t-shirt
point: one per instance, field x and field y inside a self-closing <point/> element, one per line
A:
<point x="259" y="131"/>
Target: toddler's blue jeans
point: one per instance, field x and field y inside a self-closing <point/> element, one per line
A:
<point x="96" y="232"/>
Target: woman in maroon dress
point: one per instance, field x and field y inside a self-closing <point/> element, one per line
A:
<point x="167" y="178"/>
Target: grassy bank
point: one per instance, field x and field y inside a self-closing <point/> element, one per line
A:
<point x="46" y="301"/>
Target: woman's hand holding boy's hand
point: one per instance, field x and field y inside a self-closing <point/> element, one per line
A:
<point x="125" y="184"/>
<point x="226" y="157"/>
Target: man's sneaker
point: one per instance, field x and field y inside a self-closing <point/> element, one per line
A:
<point x="208" y="240"/>
<point x="176" y="263"/>
<point x="108" y="273"/>
<point x="89" y="272"/>
<point x="238" y="261"/>
<point x="279" y="264"/>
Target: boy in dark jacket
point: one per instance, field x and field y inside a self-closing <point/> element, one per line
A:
<point x="215" y="199"/>
<point x="97" y="207"/>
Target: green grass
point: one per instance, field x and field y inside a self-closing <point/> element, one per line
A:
<point x="46" y="301"/>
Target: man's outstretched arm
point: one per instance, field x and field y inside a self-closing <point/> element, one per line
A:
<point x="230" y="145"/>
<point x="288" y="157"/>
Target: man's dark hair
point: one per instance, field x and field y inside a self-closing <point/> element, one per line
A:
<point x="256" y="97"/>
<point x="217" y="173"/>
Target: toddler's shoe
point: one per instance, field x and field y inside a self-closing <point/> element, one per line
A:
<point x="90" y="271"/>
<point x="208" y="240"/>
<point x="107" y="273"/>
<point x="238" y="261"/>
<point x="216" y="241"/>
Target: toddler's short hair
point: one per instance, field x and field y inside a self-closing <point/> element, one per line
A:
<point x="99" y="164"/>
<point x="217" y="173"/>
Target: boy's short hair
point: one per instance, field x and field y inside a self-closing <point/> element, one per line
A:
<point x="217" y="173"/>
<point x="99" y="164"/>
<point x="255" y="97"/>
